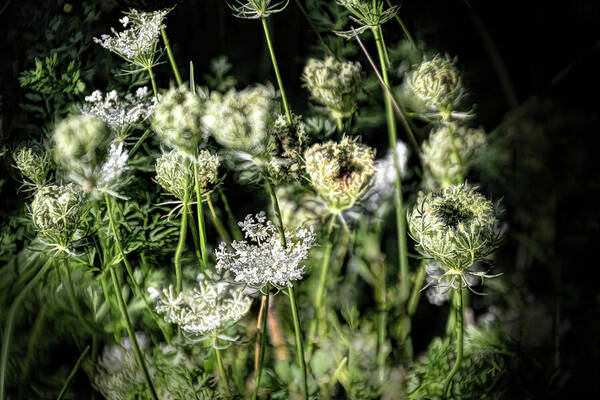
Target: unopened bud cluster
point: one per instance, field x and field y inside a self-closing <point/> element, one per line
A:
<point x="33" y="164"/>
<point x="240" y="120"/>
<point x="340" y="172"/>
<point x="334" y="84"/>
<point x="456" y="226"/>
<point x="436" y="83"/>
<point x="175" y="172"/>
<point x="178" y="119"/>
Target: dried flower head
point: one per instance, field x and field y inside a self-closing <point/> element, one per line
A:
<point x="33" y="163"/>
<point x="255" y="9"/>
<point x="204" y="311"/>
<point x="450" y="152"/>
<point x="240" y="120"/>
<point x="175" y="172"/>
<point x="456" y="226"/>
<point x="56" y="212"/>
<point x="334" y="84"/>
<point x="120" y="113"/>
<point x="178" y="119"/>
<point x="262" y="259"/>
<point x="340" y="172"/>
<point x="138" y="43"/>
<point x="437" y="84"/>
<point x="285" y="147"/>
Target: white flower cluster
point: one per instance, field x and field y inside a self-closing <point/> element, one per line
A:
<point x="117" y="373"/>
<point x="262" y="259"/>
<point x="206" y="310"/>
<point x="240" y="120"/>
<point x="113" y="168"/>
<point x="120" y="113"/>
<point x="137" y="44"/>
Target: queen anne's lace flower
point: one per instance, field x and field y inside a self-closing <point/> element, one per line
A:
<point x="137" y="44"/>
<point x="120" y="113"/>
<point x="240" y="120"/>
<point x="334" y="84"/>
<point x="262" y="259"/>
<point x="255" y="9"/>
<point x="450" y="152"/>
<point x="436" y="83"/>
<point x="367" y="13"/>
<point x="178" y="119"/>
<point x="206" y="310"/>
<point x="456" y="226"/>
<point x="340" y="172"/>
<point x="56" y="212"/>
<point x="33" y="164"/>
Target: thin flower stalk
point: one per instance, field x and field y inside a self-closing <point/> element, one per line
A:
<point x="316" y="31"/>
<point x="73" y="372"/>
<point x="459" y="343"/>
<point x="263" y="342"/>
<point x="182" y="237"/>
<point x="398" y="202"/>
<point x="291" y="293"/>
<point x="218" y="224"/>
<point x="200" y="216"/>
<point x="165" y="38"/>
<point x="286" y="107"/>
<point x="222" y="373"/>
<point x="122" y="307"/>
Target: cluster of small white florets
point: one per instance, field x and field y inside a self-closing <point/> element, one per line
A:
<point x="240" y="120"/>
<point x="137" y="44"/>
<point x="263" y="259"/>
<point x="113" y="168"/>
<point x="206" y="310"/>
<point x="120" y="113"/>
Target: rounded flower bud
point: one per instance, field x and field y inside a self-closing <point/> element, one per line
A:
<point x="456" y="226"/>
<point x="57" y="211"/>
<point x="82" y="143"/>
<point x="178" y="119"/>
<point x="175" y="172"/>
<point x="436" y="83"/>
<point x="340" y="172"/>
<point x="240" y="120"/>
<point x="33" y="163"/>
<point x="450" y="152"/>
<point x="285" y="148"/>
<point x="334" y="84"/>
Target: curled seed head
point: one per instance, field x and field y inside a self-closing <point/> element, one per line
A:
<point x="57" y="211"/>
<point x="436" y="83"/>
<point x="33" y="164"/>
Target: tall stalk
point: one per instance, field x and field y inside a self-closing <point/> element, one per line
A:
<point x="122" y="307"/>
<point x="288" y="113"/>
<point x="291" y="293"/>
<point x="459" y="342"/>
<point x="10" y="321"/>
<point x="398" y="202"/>
<point x="163" y="32"/>
<point x="153" y="80"/>
<point x="381" y="299"/>
<point x="263" y="343"/>
<point x="182" y="237"/>
<point x="218" y="224"/>
<point x="200" y="214"/>
<point x="320" y="311"/>
<point x="222" y="372"/>
<point x="73" y="298"/>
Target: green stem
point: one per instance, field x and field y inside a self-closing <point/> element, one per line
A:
<point x="136" y="287"/>
<point x="316" y="31"/>
<point x="299" y="345"/>
<point x="404" y="28"/>
<point x="192" y="227"/>
<point x="153" y="80"/>
<point x="139" y="142"/>
<point x="459" y="343"/>
<point x="10" y="320"/>
<point x="235" y="229"/>
<point x="182" y="237"/>
<point x="398" y="202"/>
<point x="73" y="298"/>
<point x="171" y="58"/>
<point x="413" y="302"/>
<point x="73" y="372"/>
<point x="340" y="124"/>
<point x="276" y="68"/>
<point x="263" y="343"/>
<point x="320" y="310"/>
<point x="222" y="372"/>
<point x="136" y="348"/>
<point x="200" y="214"/>
<point x="381" y="299"/>
<point x="297" y="331"/>
<point x="217" y="222"/>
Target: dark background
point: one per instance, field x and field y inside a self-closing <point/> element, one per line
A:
<point x="551" y="51"/>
